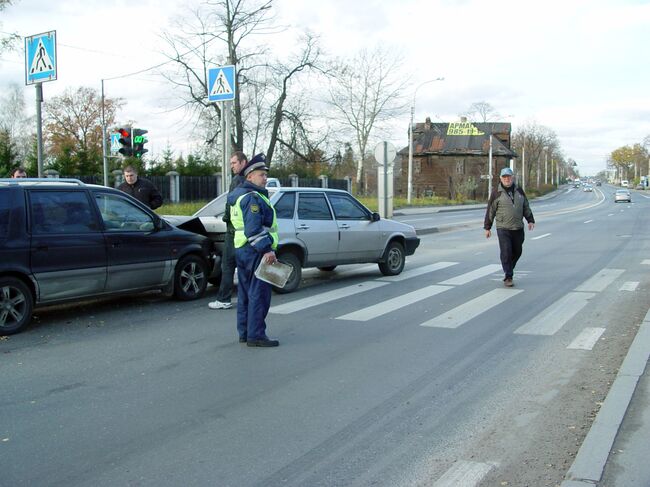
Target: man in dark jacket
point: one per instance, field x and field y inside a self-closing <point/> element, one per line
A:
<point x="507" y="207"/>
<point x="237" y="162"/>
<point x="141" y="189"/>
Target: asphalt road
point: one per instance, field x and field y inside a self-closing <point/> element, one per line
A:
<point x="439" y="376"/>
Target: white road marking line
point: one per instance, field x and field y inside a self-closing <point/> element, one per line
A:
<point x="473" y="275"/>
<point x="600" y="281"/>
<point x="393" y="304"/>
<point x="645" y="262"/>
<point x="611" y="214"/>
<point x="465" y="474"/>
<point x="541" y="236"/>
<point x="553" y="318"/>
<point x="588" y="221"/>
<point x="586" y="339"/>
<point x="304" y="303"/>
<point x="418" y="271"/>
<point x="471" y="309"/>
<point x="629" y="286"/>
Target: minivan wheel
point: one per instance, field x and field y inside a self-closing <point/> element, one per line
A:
<point x="293" y="282"/>
<point x="16" y="305"/>
<point x="190" y="278"/>
<point x="394" y="259"/>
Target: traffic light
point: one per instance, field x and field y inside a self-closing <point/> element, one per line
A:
<point x="127" y="144"/>
<point x="138" y="142"/>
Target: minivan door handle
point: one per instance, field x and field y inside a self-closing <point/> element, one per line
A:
<point x="42" y="248"/>
<point x="302" y="226"/>
<point x="344" y="226"/>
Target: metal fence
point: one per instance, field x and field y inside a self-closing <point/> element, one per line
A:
<point x="205" y="188"/>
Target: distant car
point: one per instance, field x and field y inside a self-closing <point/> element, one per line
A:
<point x="622" y="195"/>
<point x="273" y="183"/>
<point x="598" y="183"/>
<point x="588" y="188"/>
<point x="576" y="184"/>
<point x="323" y="228"/>
<point x="625" y="183"/>
<point x="63" y="240"/>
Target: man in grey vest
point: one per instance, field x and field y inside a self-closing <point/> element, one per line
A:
<point x="507" y="207"/>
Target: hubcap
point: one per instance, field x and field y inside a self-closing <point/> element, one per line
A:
<point x="12" y="305"/>
<point x="191" y="278"/>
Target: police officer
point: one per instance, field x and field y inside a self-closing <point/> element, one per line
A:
<point x="256" y="238"/>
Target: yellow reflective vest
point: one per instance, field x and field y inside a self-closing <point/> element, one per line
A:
<point x="237" y="220"/>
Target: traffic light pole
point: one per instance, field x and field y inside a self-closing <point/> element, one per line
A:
<point x="39" y="128"/>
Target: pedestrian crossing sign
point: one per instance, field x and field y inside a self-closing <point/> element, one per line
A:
<point x="221" y="83"/>
<point x="40" y="58"/>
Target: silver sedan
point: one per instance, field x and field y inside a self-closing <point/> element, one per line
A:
<point x="323" y="228"/>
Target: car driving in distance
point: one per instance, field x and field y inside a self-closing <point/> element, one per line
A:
<point x="323" y="228"/>
<point x="622" y="195"/>
<point x="63" y="241"/>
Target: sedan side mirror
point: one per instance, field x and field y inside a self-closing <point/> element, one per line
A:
<point x="375" y="216"/>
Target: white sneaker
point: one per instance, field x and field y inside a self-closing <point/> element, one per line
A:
<point x="219" y="305"/>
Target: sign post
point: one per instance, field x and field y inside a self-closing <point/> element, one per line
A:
<point x="40" y="67"/>
<point x="385" y="153"/>
<point x="221" y="88"/>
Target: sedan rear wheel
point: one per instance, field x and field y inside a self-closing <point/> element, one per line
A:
<point x="16" y="304"/>
<point x="191" y="278"/>
<point x="293" y="282"/>
<point x="394" y="259"/>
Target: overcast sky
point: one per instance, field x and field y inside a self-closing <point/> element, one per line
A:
<point x="578" y="67"/>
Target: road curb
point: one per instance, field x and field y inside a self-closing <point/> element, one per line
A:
<point x="588" y="466"/>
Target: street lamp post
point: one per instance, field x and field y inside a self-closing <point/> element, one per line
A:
<point x="409" y="191"/>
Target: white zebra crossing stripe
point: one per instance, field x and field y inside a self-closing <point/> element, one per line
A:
<point x="418" y="271"/>
<point x="472" y="276"/>
<point x="471" y="309"/>
<point x="322" y="298"/>
<point x="600" y="281"/>
<point x="553" y="318"/>
<point x="586" y="339"/>
<point x="541" y="236"/>
<point x="389" y="305"/>
<point x="629" y="286"/>
<point x="465" y="474"/>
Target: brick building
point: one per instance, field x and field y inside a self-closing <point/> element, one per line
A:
<point x="450" y="158"/>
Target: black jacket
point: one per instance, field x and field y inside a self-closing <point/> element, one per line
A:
<point x="237" y="180"/>
<point x="143" y="190"/>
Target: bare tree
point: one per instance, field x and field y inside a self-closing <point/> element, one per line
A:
<point x="365" y="92"/>
<point x="10" y="40"/>
<point x="481" y="111"/>
<point x="537" y="141"/>
<point x="262" y="86"/>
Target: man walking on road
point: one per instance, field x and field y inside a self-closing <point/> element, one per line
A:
<point x="507" y="207"/>
<point x="237" y="162"/>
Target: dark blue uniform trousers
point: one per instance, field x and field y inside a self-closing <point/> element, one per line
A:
<point x="253" y="295"/>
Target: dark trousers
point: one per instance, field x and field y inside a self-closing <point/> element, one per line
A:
<point x="228" y="266"/>
<point x="510" y="244"/>
<point x="253" y="295"/>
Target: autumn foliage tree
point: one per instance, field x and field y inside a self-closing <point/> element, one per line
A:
<point x="73" y="130"/>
